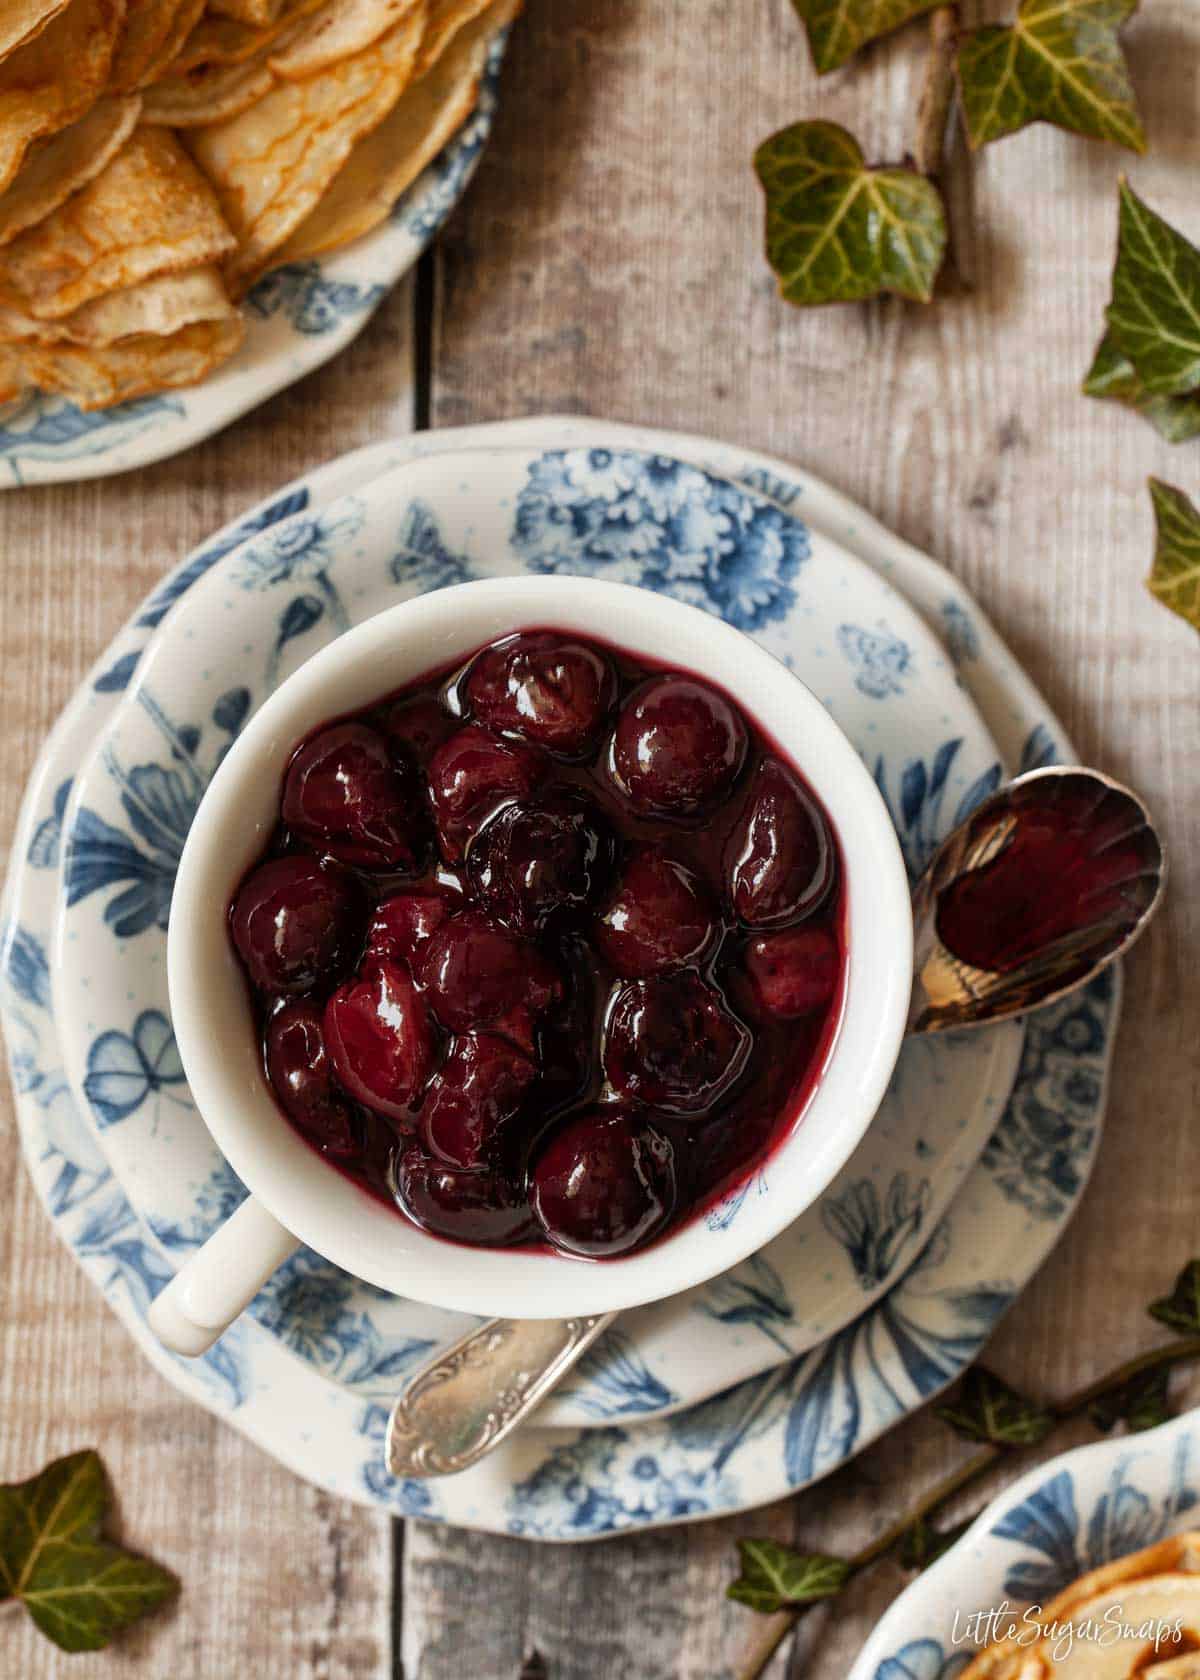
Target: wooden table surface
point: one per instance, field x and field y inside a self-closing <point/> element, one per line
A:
<point x="607" y="260"/>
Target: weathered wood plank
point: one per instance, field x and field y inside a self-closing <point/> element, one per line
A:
<point x="608" y="261"/>
<point x="278" y="1579"/>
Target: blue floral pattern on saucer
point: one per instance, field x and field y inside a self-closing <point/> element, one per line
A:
<point x="737" y="1449"/>
<point x="664" y="525"/>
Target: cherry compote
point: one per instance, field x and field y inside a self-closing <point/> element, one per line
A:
<point x="547" y="948"/>
<point x="1091" y="842"/>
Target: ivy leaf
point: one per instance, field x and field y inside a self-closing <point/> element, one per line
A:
<point x="1059" y="62"/>
<point x="1175" y="580"/>
<point x="775" y="1577"/>
<point x="987" y="1409"/>
<point x="838" y="28"/>
<point x="78" y="1588"/>
<point x="1180" y="1310"/>
<point x="1141" y="1403"/>
<point x="1113" y="376"/>
<point x="839" y="231"/>
<point x="921" y="1544"/>
<point x="1154" y="315"/>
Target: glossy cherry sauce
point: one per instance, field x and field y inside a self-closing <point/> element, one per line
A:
<point x="545" y="948"/>
<point x="1078" y="858"/>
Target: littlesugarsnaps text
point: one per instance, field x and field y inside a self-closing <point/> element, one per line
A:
<point x="1027" y="1627"/>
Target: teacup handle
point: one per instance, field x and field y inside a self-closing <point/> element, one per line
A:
<point x="221" y="1279"/>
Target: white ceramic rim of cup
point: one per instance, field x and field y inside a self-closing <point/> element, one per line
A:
<point x="215" y="1031"/>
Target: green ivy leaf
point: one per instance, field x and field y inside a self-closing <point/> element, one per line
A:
<point x="838" y="28"/>
<point x="1154" y="315"/>
<point x="774" y="1577"/>
<point x="78" y="1588"/>
<point x="1175" y="580"/>
<point x="921" y="1544"/>
<point x="1113" y="376"/>
<point x="987" y="1409"/>
<point x="1141" y="1403"/>
<point x="1059" y="62"/>
<point x="1180" y="1310"/>
<point x="840" y="232"/>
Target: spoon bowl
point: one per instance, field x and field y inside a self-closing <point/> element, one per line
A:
<point x="1041" y="887"/>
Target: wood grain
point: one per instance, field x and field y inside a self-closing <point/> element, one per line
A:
<point x="608" y="260"/>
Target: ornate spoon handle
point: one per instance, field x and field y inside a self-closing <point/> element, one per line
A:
<point x="462" y="1404"/>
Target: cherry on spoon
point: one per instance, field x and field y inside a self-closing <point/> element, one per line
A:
<point x="1042" y="886"/>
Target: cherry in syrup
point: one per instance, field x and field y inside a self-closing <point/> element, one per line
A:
<point x="547" y="949"/>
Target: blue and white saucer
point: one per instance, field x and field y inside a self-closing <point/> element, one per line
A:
<point x="647" y="519"/>
<point x="1064" y="1519"/>
<point x="297" y="318"/>
<point x="747" y="1445"/>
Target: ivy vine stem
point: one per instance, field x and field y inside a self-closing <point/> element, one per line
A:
<point x="933" y="111"/>
<point x="933" y="122"/>
<point x="1074" y="1405"/>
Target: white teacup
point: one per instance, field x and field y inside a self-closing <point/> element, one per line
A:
<point x="295" y="1196"/>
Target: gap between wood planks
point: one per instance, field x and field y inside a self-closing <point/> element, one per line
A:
<point x="424" y="306"/>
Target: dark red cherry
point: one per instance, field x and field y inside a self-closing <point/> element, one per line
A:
<point x="794" y="972"/>
<point x="478" y="1087"/>
<point x="302" y="1078"/>
<point x="678" y="746"/>
<point x="657" y="918"/>
<point x="401" y="926"/>
<point x="779" y="858"/>
<point x="417" y="726"/>
<point x="379" y="1039"/>
<point x="672" y="1043"/>
<point x="531" y="862"/>
<point x="476" y="973"/>
<point x="344" y="794"/>
<point x="567" y="1047"/>
<point x="296" y="923"/>
<point x="470" y="776"/>
<point x="544" y="687"/>
<point x="475" y="1206"/>
<point x="604" y="1184"/>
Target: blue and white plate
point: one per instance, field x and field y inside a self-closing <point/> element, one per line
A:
<point x="646" y="519"/>
<point x="745" y="1447"/>
<point x="297" y="317"/>
<point x="1079" y="1511"/>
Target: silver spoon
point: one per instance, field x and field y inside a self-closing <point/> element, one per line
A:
<point x="469" y="1398"/>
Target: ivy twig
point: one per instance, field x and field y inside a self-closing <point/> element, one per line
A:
<point x="1182" y="1352"/>
<point x="933" y="112"/>
<point x="933" y="122"/>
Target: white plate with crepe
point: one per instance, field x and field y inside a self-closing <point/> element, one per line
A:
<point x="200" y="203"/>
<point x="1088" y="1568"/>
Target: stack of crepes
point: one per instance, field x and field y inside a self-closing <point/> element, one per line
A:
<point x="1135" y="1619"/>
<point x="158" y="156"/>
